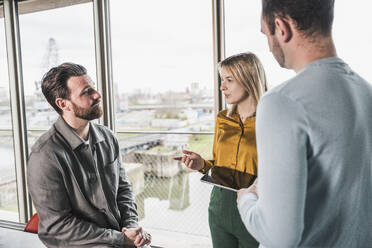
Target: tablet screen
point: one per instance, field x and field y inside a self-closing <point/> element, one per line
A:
<point x="210" y="180"/>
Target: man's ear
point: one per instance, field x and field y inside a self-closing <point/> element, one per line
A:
<point x="283" y="29"/>
<point x="62" y="104"/>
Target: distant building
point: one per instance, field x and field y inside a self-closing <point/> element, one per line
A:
<point x="168" y="123"/>
<point x="123" y="103"/>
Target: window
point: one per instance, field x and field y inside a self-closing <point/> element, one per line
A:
<point x="63" y="35"/>
<point x="353" y="36"/>
<point x="163" y="81"/>
<point x="163" y="84"/>
<point x="8" y="185"/>
<point x="242" y="34"/>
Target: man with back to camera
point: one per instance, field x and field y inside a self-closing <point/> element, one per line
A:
<point x="75" y="177"/>
<point x="314" y="138"/>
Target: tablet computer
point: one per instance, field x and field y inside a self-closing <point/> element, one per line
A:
<point x="210" y="180"/>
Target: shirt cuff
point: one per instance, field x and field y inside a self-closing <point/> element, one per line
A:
<point x="118" y="239"/>
<point x="206" y="166"/>
<point x="130" y="224"/>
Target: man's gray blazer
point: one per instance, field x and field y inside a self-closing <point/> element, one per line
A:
<point x="80" y="190"/>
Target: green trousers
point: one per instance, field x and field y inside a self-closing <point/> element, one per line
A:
<point x="227" y="228"/>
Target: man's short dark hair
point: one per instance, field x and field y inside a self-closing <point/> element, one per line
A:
<point x="54" y="82"/>
<point x="310" y="16"/>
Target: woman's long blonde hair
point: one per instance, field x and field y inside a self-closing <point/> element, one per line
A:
<point x="248" y="71"/>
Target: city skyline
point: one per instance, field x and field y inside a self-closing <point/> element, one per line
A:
<point x="156" y="54"/>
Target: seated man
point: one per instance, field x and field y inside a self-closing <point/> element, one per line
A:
<point x="75" y="177"/>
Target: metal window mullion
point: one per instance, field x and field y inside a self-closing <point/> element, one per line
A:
<point x="218" y="16"/>
<point x="13" y="47"/>
<point x="102" y="33"/>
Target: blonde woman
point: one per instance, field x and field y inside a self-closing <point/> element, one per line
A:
<point x="234" y="162"/>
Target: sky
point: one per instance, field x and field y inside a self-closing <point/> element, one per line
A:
<point x="170" y="48"/>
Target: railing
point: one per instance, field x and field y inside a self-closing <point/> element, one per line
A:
<point x="169" y="196"/>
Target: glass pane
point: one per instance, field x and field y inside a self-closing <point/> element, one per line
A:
<point x="8" y="186"/>
<point x="62" y="36"/>
<point x="172" y="202"/>
<point x="163" y="70"/>
<point x="163" y="77"/>
<point x="353" y="35"/>
<point x="243" y="25"/>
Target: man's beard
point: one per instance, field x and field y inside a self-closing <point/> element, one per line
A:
<point x="278" y="53"/>
<point x="92" y="113"/>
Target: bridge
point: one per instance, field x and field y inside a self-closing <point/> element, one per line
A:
<point x="140" y="142"/>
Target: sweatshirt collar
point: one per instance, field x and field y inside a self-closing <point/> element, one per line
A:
<point x="322" y="62"/>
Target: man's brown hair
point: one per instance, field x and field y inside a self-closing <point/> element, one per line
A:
<point x="54" y="82"/>
<point x="310" y="16"/>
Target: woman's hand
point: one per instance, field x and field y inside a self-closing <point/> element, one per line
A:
<point x="191" y="159"/>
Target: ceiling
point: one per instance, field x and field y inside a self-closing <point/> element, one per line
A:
<point x="29" y="6"/>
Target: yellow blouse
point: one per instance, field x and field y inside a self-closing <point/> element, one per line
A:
<point x="234" y="151"/>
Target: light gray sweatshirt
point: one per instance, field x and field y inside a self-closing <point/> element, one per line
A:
<point x="314" y="142"/>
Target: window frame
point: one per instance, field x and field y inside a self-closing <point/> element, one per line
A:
<point x="102" y="36"/>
